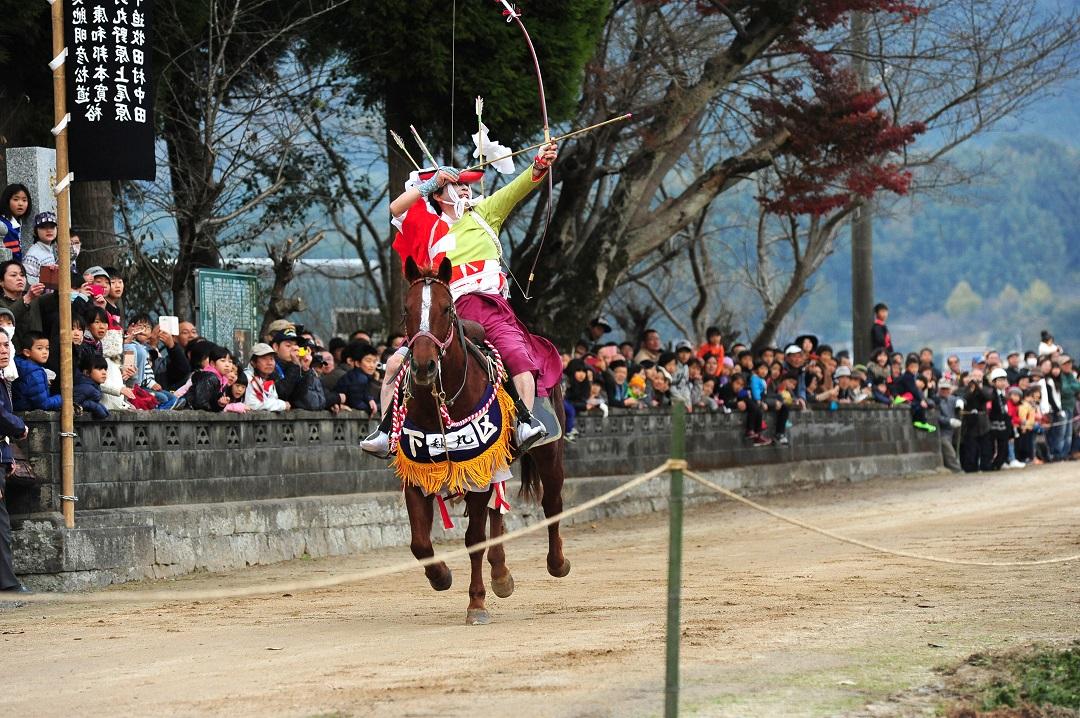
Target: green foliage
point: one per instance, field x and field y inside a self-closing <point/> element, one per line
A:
<point x="1047" y="678"/>
<point x="1039" y="295"/>
<point x="402" y="57"/>
<point x="963" y="301"/>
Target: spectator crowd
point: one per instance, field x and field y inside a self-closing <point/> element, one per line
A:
<point x="998" y="412"/>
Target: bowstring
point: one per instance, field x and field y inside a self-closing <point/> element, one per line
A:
<point x="453" y="75"/>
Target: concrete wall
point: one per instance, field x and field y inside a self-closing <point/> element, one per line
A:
<point x="162" y="494"/>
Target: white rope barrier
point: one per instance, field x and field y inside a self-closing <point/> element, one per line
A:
<point x="173" y="595"/>
<point x="863" y="544"/>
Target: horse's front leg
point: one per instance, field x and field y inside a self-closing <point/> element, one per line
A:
<point x="421" y="512"/>
<point x="502" y="583"/>
<point x="476" y="501"/>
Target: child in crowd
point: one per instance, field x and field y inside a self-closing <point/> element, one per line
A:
<point x="208" y="382"/>
<point x="14" y="211"/>
<point x="708" y="400"/>
<point x="661" y="388"/>
<point x="86" y="392"/>
<point x="713" y="346"/>
<point x="358" y="384"/>
<point x="578" y="382"/>
<point x="236" y="390"/>
<point x="118" y="395"/>
<point x="879" y="333"/>
<point x="1000" y="424"/>
<point x="597" y="400"/>
<point x="638" y="389"/>
<point x="1015" y="398"/>
<point x="737" y="397"/>
<point x="42" y="253"/>
<point x="907" y="386"/>
<point x="31" y="390"/>
<point x="1030" y="425"/>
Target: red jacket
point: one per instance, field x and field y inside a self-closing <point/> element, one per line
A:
<point x="706" y="349"/>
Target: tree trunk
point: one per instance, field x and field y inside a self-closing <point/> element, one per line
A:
<point x="93" y="219"/>
<point x="278" y="306"/>
<point x="862" y="227"/>
<point x="398" y="173"/>
<point x="195" y="191"/>
<point x="766" y="336"/>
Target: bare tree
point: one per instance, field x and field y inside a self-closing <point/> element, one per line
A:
<point x="231" y="141"/>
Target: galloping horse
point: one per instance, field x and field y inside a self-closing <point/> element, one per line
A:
<point x="442" y="369"/>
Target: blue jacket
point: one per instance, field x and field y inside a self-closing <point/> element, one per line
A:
<point x="31" y="389"/>
<point x="356" y="386"/>
<point x="757" y="387"/>
<point x="87" y="394"/>
<point x="11" y="426"/>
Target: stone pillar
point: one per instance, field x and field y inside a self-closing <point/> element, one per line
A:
<point x="34" y="167"/>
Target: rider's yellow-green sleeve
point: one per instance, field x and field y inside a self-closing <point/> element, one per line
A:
<point x="496" y="208"/>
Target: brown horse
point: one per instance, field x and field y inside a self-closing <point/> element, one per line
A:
<point x="440" y="361"/>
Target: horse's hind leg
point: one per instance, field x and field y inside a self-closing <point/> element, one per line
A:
<point x="421" y="512"/>
<point x="548" y="461"/>
<point x="476" y="501"/>
<point x="502" y="583"/>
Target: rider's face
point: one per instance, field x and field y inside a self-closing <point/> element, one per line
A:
<point x="462" y="189"/>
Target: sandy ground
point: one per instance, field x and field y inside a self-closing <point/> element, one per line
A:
<point x="776" y="621"/>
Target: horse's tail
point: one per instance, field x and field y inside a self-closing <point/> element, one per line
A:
<point x="532" y="486"/>
<point x="532" y="489"/>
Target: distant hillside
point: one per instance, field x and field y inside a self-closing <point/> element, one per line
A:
<point x="1006" y="252"/>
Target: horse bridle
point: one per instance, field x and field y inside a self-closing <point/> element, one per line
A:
<point x="442" y="344"/>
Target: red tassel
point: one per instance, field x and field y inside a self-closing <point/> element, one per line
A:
<point x="447" y="523"/>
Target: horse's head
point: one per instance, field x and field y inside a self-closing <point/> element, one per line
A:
<point x="429" y="318"/>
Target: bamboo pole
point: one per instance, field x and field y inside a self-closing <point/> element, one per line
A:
<point x="63" y="247"/>
<point x="675" y="539"/>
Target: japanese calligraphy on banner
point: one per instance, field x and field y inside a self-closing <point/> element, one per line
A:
<point x="109" y="92"/>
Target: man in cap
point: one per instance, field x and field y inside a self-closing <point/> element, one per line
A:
<point x="795" y="365"/>
<point x="261" y="394"/>
<point x="1070" y="391"/>
<point x="948" y="423"/>
<point x="287" y="372"/>
<point x="1000" y="422"/>
<point x="278" y="325"/>
<point x="597" y="328"/>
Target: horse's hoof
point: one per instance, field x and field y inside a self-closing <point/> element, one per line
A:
<point x="503" y="587"/>
<point x="477" y="617"/>
<point x="562" y="570"/>
<point x="444" y="584"/>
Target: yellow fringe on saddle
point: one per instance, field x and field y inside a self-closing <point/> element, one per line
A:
<point x="459" y="476"/>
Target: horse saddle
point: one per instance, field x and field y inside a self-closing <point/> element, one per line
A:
<point x="543" y="410"/>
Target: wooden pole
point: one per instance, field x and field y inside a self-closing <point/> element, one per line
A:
<point x="675" y="537"/>
<point x="63" y="251"/>
<point x="862" y="224"/>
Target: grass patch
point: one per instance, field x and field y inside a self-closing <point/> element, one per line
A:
<point x="1037" y="682"/>
<point x="1048" y="678"/>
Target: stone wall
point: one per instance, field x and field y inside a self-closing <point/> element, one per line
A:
<point x="162" y="494"/>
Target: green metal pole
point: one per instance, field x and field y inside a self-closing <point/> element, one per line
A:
<point x="675" y="535"/>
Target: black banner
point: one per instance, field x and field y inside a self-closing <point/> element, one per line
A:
<point x="109" y="92"/>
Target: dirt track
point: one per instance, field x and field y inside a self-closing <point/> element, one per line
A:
<point x="776" y="621"/>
